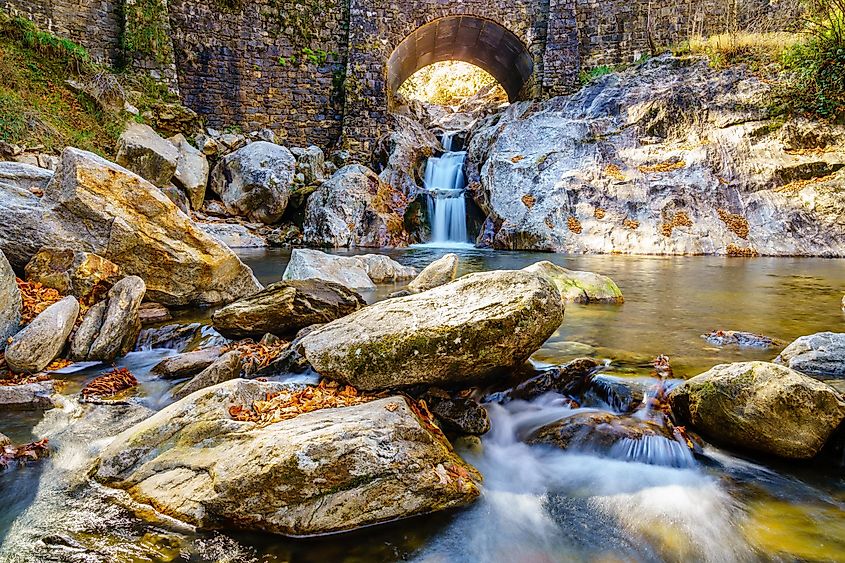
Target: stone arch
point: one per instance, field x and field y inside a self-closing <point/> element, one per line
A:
<point x="472" y="39"/>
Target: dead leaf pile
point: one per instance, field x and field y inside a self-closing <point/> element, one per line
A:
<point x="574" y="225"/>
<point x="662" y="167"/>
<point x="740" y="252"/>
<point x="109" y="384"/>
<point x="35" y="298"/>
<point x="255" y="355"/>
<point x="613" y="171"/>
<point x="290" y="404"/>
<point x="736" y="223"/>
<point x="631" y="224"/>
<point x="21" y="454"/>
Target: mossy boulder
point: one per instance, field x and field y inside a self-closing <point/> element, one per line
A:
<point x="325" y="471"/>
<point x="461" y="332"/>
<point x="577" y="286"/>
<point x="760" y="406"/>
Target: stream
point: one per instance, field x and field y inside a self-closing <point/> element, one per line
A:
<point x="539" y="504"/>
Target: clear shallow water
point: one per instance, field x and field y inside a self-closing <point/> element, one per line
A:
<point x="539" y="503"/>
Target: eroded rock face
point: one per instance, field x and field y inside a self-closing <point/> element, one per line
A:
<point x="353" y="209"/>
<point x="760" y="406"/>
<point x="111" y="327"/>
<point x="670" y="157"/>
<point x="24" y="176"/>
<point x="255" y="181"/>
<point x="33" y="348"/>
<point x="85" y="275"/>
<point x="821" y="354"/>
<point x="460" y="332"/>
<point x="191" y="170"/>
<point x="293" y="477"/>
<point x="578" y="287"/>
<point x="95" y="206"/>
<point x="283" y="308"/>
<point x="10" y="302"/>
<point x="141" y="150"/>
<point x="354" y="272"/>
<point x="441" y="271"/>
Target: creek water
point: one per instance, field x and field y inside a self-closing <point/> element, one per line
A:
<point x="538" y="503"/>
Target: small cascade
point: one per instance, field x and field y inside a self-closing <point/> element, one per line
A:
<point x="445" y="184"/>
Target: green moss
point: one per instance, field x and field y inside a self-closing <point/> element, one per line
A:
<point x="145" y="29"/>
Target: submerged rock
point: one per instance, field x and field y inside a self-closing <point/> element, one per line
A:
<point x="141" y="150"/>
<point x="353" y="209"/>
<point x="617" y="436"/>
<point x="760" y="406"/>
<point x="821" y="354"/>
<point x="41" y="342"/>
<point x="10" y="302"/>
<point x="285" y="307"/>
<point x="96" y="206"/>
<point x="617" y="393"/>
<point x="354" y="272"/>
<point x="571" y="379"/>
<point x="441" y="271"/>
<point x="84" y="275"/>
<point x="255" y="181"/>
<point x="293" y="477"/>
<point x="740" y="338"/>
<point x="460" y="332"/>
<point x="111" y="328"/>
<point x="577" y="286"/>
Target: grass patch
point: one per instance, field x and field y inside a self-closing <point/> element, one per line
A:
<point x="755" y="49"/>
<point x="587" y="76"/>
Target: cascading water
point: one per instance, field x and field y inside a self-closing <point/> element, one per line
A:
<point x="445" y="183"/>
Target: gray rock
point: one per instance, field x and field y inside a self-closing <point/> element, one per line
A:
<point x="121" y="321"/>
<point x="44" y="338"/>
<point x="285" y="307"/>
<point x="255" y="181"/>
<point x="293" y="477"/>
<point x="178" y="198"/>
<point x="10" y="302"/>
<point x="457" y="414"/>
<point x="141" y="150"/>
<point x="24" y="176"/>
<point x="29" y="396"/>
<point x="443" y="270"/>
<point x="187" y="364"/>
<point x="96" y="206"/>
<point x="760" y="406"/>
<point x="351" y="210"/>
<point x="191" y="170"/>
<point x="740" y="338"/>
<point x="354" y="272"/>
<point x="89" y="328"/>
<point x="233" y="235"/>
<point x="821" y="354"/>
<point x="226" y="367"/>
<point x="311" y="163"/>
<point x="577" y="286"/>
<point x="457" y="333"/>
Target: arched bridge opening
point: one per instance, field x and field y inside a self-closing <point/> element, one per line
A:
<point x="472" y="39"/>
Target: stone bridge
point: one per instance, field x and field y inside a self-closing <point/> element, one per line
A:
<point x="325" y="71"/>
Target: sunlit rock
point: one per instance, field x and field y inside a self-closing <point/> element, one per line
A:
<point x="577" y="286"/>
<point x="85" y="275"/>
<point x="820" y="354"/>
<point x="441" y="271"/>
<point x="10" y="302"/>
<point x="141" y="150"/>
<point x="355" y="272"/>
<point x="43" y="339"/>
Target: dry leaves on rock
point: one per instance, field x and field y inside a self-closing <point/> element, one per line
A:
<point x="285" y="405"/>
<point x="255" y="355"/>
<point x="574" y="225"/>
<point x="109" y="384"/>
<point x="613" y="171"/>
<point x="35" y="297"/>
<point x="736" y="223"/>
<point x="662" y="167"/>
<point x="740" y="252"/>
<point x="26" y="452"/>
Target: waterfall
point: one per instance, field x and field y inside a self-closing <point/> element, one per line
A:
<point x="445" y="183"/>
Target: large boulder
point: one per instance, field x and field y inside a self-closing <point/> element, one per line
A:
<point x="577" y="286"/>
<point x="191" y="170"/>
<point x="255" y="181"/>
<point x="353" y="208"/>
<point x="10" y="302"/>
<point x="441" y="271"/>
<point x="460" y="332"/>
<point x="354" y="272"/>
<point x="85" y="275"/>
<point x="760" y="406"/>
<point x="24" y="176"/>
<point x="295" y="477"/>
<point x="93" y="205"/>
<point x="141" y="150"/>
<point x="33" y="348"/>
<point x="821" y="354"/>
<point x="111" y="327"/>
<point x="668" y="157"/>
<point x="285" y="307"/>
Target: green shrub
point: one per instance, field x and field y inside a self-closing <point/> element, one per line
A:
<point x="587" y="76"/>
